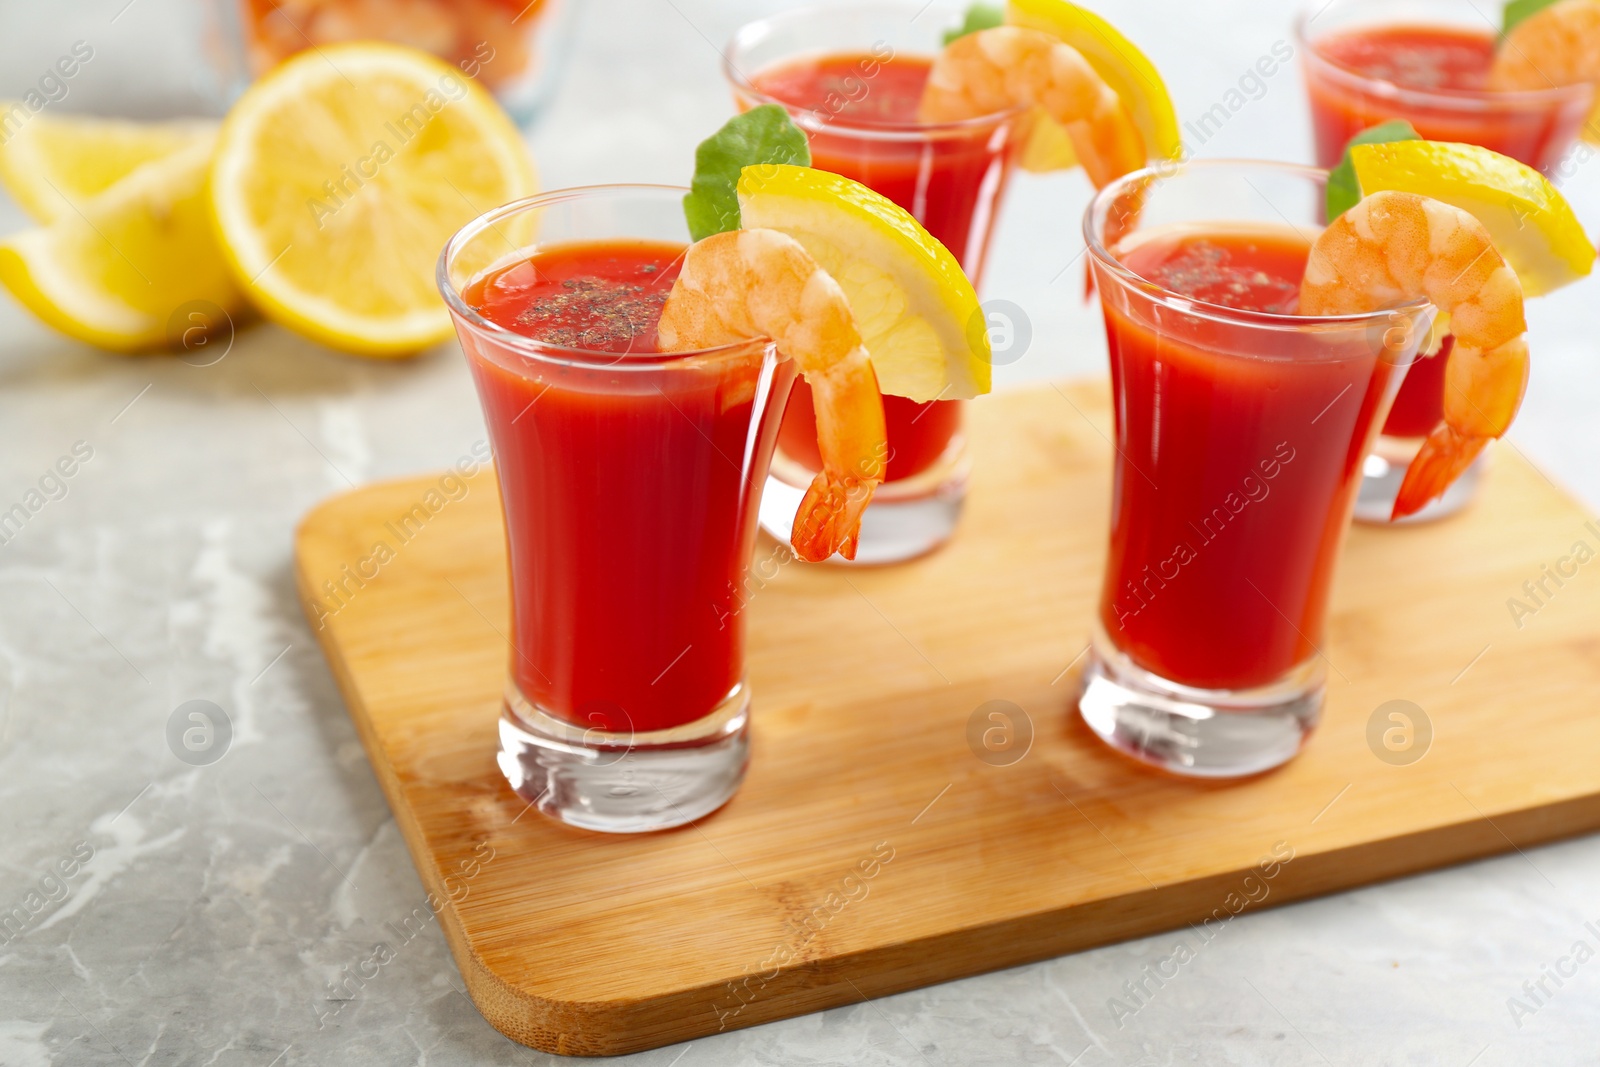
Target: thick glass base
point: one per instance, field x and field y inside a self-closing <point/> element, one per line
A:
<point x="1202" y="733"/>
<point x="1384" y="470"/>
<point x="625" y="783"/>
<point x="906" y="519"/>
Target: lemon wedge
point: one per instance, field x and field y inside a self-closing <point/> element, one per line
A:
<point x="115" y="269"/>
<point x="341" y="174"/>
<point x="918" y="314"/>
<point x="51" y="162"/>
<point x="1116" y="59"/>
<point x="1531" y="223"/>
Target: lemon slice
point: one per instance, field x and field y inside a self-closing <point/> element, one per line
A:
<point x="49" y="162"/>
<point x="1532" y="224"/>
<point x="918" y="315"/>
<point x="115" y="271"/>
<point x="341" y="174"/>
<point x="1115" y="58"/>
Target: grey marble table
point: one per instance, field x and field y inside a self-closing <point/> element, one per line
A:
<point x="209" y="909"/>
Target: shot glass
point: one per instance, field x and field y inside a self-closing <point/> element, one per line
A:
<point x="1239" y="441"/>
<point x="1370" y="61"/>
<point x="630" y="486"/>
<point x="859" y="113"/>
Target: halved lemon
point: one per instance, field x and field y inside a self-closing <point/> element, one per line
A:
<point x="1116" y="59"/>
<point x="341" y="174"/>
<point x="1531" y="223"/>
<point x="918" y="314"/>
<point x="115" y="270"/>
<point x="50" y="162"/>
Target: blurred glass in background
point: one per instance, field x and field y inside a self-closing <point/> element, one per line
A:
<point x="153" y="59"/>
<point x="513" y="47"/>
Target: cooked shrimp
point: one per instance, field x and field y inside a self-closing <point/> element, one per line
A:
<point x="1009" y="66"/>
<point x="1395" y="247"/>
<point x="754" y="283"/>
<point x="1558" y="46"/>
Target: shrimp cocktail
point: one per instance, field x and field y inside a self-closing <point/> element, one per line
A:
<point x="1254" y="356"/>
<point x="1438" y="69"/>
<point x="936" y="120"/>
<point x="633" y="348"/>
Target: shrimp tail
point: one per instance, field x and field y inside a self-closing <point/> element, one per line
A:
<point x="829" y="519"/>
<point x="1483" y="389"/>
<point x="851" y="437"/>
<point x="1445" y="454"/>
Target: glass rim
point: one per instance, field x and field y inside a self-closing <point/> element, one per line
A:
<point x="808" y="120"/>
<point x="564" y="354"/>
<point x="1440" y="99"/>
<point x="1097" y="211"/>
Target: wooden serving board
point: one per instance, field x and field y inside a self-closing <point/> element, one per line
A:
<point x="871" y="850"/>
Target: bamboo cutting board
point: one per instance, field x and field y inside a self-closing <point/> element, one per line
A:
<point x="881" y="841"/>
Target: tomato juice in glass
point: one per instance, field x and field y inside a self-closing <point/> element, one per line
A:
<point x="1236" y="531"/>
<point x="630" y="482"/>
<point x="851" y="77"/>
<point x="1434" y="76"/>
<point x="636" y="523"/>
<point x="1240" y="432"/>
<point x="1372" y="61"/>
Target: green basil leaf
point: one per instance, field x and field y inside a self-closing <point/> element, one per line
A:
<point x="763" y="134"/>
